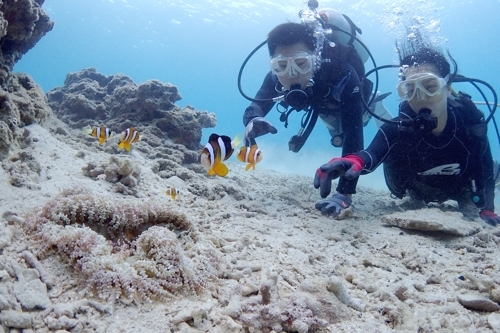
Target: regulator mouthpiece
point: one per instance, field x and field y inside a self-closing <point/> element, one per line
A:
<point x="297" y="98"/>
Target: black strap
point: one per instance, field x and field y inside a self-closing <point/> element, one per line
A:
<point x="297" y="141"/>
<point x="311" y="124"/>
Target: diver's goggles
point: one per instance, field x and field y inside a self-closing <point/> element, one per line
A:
<point x="426" y="83"/>
<point x="299" y="63"/>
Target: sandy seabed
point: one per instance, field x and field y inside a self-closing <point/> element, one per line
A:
<point x="250" y="253"/>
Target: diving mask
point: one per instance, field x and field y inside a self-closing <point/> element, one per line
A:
<point x="299" y="63"/>
<point x="421" y="83"/>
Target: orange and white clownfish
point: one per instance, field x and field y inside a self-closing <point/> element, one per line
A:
<point x="128" y="136"/>
<point x="251" y="155"/>
<point x="101" y="133"/>
<point x="218" y="149"/>
<point x="172" y="192"/>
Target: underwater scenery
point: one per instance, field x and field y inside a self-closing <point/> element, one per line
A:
<point x="138" y="194"/>
<point x="200" y="47"/>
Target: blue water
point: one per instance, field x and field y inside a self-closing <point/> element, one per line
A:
<point x="199" y="47"/>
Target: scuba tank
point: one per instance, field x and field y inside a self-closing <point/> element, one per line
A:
<point x="334" y="20"/>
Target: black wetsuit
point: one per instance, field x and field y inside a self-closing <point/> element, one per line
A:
<point x="436" y="168"/>
<point x="336" y="91"/>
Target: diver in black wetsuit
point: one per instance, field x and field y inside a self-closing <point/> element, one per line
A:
<point x="444" y="155"/>
<point x="328" y="82"/>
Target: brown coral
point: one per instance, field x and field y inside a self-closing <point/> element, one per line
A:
<point x="140" y="251"/>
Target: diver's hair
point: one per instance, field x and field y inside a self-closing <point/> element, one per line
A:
<point x="417" y="51"/>
<point x="429" y="57"/>
<point x="290" y="33"/>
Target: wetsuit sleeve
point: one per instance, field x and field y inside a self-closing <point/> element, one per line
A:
<point x="379" y="148"/>
<point x="261" y="109"/>
<point x="351" y="110"/>
<point x="489" y="181"/>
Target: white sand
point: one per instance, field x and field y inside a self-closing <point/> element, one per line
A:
<point x="357" y="275"/>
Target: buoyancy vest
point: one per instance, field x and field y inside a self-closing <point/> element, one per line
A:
<point x="472" y="120"/>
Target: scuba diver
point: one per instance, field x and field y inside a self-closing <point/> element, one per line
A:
<point x="318" y="70"/>
<point x="437" y="148"/>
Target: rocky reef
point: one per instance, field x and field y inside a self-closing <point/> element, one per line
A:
<point x="89" y="97"/>
<point x="22" y="24"/>
<point x="86" y="98"/>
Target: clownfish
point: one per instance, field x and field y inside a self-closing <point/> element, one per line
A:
<point x="101" y="133"/>
<point x="128" y="136"/>
<point x="218" y="149"/>
<point x="172" y="192"/>
<point x="251" y="155"/>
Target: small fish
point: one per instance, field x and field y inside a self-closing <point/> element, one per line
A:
<point x="102" y="133"/>
<point x="218" y="149"/>
<point x="128" y="136"/>
<point x="172" y="192"/>
<point x="251" y="155"/>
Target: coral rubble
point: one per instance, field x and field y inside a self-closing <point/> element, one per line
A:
<point x="125" y="174"/>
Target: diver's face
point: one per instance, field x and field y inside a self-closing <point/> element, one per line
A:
<point x="437" y="103"/>
<point x="301" y="65"/>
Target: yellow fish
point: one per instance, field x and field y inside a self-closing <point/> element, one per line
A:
<point x="172" y="192"/>
<point x="101" y="133"/>
<point x="128" y="136"/>
<point x="218" y="149"/>
<point x="251" y="155"/>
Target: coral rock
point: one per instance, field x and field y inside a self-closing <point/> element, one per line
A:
<point x="335" y="286"/>
<point x="478" y="303"/>
<point x="22" y="24"/>
<point x="30" y="291"/>
<point x="16" y="319"/>
<point x="21" y="104"/>
<point x="117" y="101"/>
<point x="432" y="220"/>
<point x="124" y="172"/>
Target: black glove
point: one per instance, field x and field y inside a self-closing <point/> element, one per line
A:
<point x="349" y="166"/>
<point x="258" y="126"/>
<point x="334" y="205"/>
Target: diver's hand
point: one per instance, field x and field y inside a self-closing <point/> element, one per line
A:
<point x="336" y="205"/>
<point x="258" y="126"/>
<point x="349" y="166"/>
<point x="489" y="217"/>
